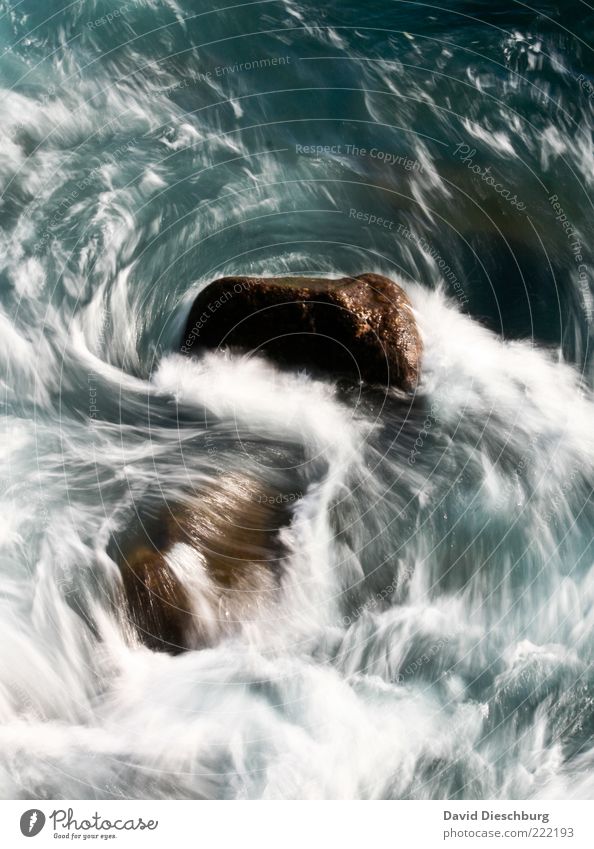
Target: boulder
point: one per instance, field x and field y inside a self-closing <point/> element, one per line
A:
<point x="157" y="605"/>
<point x="205" y="566"/>
<point x="358" y="327"/>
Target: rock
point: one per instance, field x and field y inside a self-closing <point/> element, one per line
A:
<point x="359" y="327"/>
<point x="207" y="565"/>
<point x="158" y="605"/>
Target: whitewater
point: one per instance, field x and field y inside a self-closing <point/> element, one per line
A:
<point x="434" y="633"/>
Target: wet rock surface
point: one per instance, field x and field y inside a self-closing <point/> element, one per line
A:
<point x="359" y="327"/>
<point x="202" y="568"/>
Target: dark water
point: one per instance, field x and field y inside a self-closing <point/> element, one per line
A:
<point x="434" y="636"/>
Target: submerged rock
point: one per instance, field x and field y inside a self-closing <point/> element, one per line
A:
<point x="158" y="605"/>
<point x="207" y="566"/>
<point x="360" y="327"/>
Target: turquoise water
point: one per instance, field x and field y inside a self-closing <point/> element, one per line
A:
<point x="434" y="634"/>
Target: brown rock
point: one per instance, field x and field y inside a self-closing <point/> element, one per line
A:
<point x="158" y="605"/>
<point x="207" y="566"/>
<point x="360" y="327"/>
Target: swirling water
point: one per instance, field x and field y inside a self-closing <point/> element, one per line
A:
<point x="435" y="633"/>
